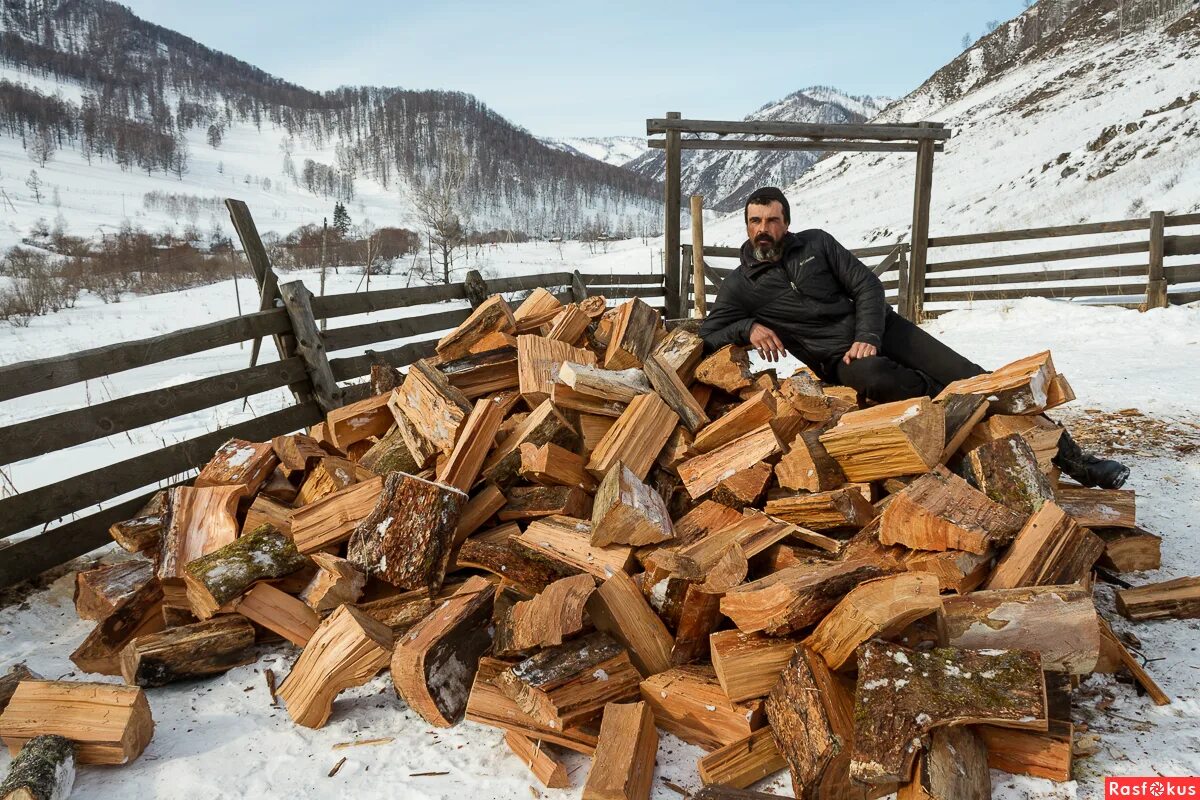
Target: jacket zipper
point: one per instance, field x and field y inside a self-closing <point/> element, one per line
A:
<point x="796" y="288"/>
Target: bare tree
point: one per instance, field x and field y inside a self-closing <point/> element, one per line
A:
<point x="966" y="41"/>
<point x="441" y="206"/>
<point x="42" y="145"/>
<point x="35" y="185"/>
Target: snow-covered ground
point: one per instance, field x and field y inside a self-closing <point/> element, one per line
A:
<point x="223" y="738"/>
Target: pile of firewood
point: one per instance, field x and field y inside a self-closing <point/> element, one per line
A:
<point x="571" y="525"/>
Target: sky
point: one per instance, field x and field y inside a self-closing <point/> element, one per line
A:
<point x="594" y="69"/>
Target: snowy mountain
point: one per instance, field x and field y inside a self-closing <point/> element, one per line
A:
<point x="726" y="177"/>
<point x="615" y="150"/>
<point x="120" y="120"/>
<point x="1075" y="110"/>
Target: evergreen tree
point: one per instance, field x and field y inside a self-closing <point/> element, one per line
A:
<point x="341" y="219"/>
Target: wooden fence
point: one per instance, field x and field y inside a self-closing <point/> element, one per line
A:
<point x="954" y="281"/>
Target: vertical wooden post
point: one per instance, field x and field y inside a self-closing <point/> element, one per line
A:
<point x="920" y="227"/>
<point x="309" y="345"/>
<point x="324" y="236"/>
<point x="578" y="287"/>
<point x="701" y="308"/>
<point x="1156" y="277"/>
<point x="903" y="304"/>
<point x="671" y="251"/>
<point x="476" y="288"/>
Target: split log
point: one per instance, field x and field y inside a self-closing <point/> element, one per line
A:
<point x="1129" y="550"/>
<point x="337" y="581"/>
<point x="680" y="352"/>
<point x="347" y="650"/>
<point x="808" y="466"/>
<point x="591" y="390"/>
<point x="544" y="425"/>
<point x="729" y="793"/>
<point x="822" y="511"/>
<point x="401" y="611"/>
<point x="538" y="308"/>
<point x="1016" y="388"/>
<point x="809" y="711"/>
<point x="357" y="422"/>
<point x="744" y="762"/>
<point x="1050" y="549"/>
<point x="1042" y="755"/>
<point x="794" y="598"/>
<point x="225" y="574"/>
<point x="534" y="502"/>
<point x="884" y="441"/>
<point x="420" y="448"/>
<point x="627" y="511"/>
<point x="491" y="316"/>
<point x="138" y="615"/>
<point x="552" y="615"/>
<point x="962" y="413"/>
<point x="551" y="465"/>
<point x="633" y="335"/>
<point x="1176" y="599"/>
<point x="539" y="361"/>
<point x="955" y="767"/>
<point x="99" y="592"/>
<point x="698" y="616"/>
<point x="44" y="769"/>
<point x="1059" y="622"/>
<point x="592" y="429"/>
<point x="434" y="664"/>
<point x="904" y="694"/>
<point x="109" y="723"/>
<point x="619" y="609"/>
<point x="748" y="416"/>
<point x="490" y="706"/>
<point x="569" y="326"/>
<point x="956" y="570"/>
<point x="476" y="437"/>
<point x="479" y="509"/>
<point x="201" y="520"/>
<point x="941" y="511"/>
<point x="751" y="534"/>
<point x="623" y="766"/>
<point x="565" y="686"/>
<point x="407" y="538"/>
<point x="435" y="408"/>
<point x="239" y="463"/>
<point x="495" y="551"/>
<point x="744" y="489"/>
<point x="390" y="454"/>
<point x="1007" y="471"/>
<point x="188" y="652"/>
<point x="11" y="679"/>
<point x="704" y="519"/>
<point x="689" y="702"/>
<point x="332" y="519"/>
<point x="879" y="608"/>
<point x="144" y="532"/>
<point x="551" y="773"/>
<point x="727" y="369"/>
<point x="1059" y="392"/>
<point x="1040" y="433"/>
<point x="702" y="474"/>
<point x="1098" y="508"/>
<point x="483" y="373"/>
<point x="674" y="392"/>
<point x="265" y="511"/>
<point x="1112" y="644"/>
<point x="636" y="438"/>
<point x="279" y="612"/>
<point x="748" y="664"/>
<point x="329" y="475"/>
<point x="677" y="450"/>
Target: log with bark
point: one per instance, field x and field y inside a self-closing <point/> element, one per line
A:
<point x="225" y="574"/>
<point x="44" y="769"/>
<point x="99" y="592"/>
<point x="1007" y="471"/>
<point x="239" y="463"/>
<point x="143" y="533"/>
<point x="1175" y="599"/>
<point x="139" y="614"/>
<point x="188" y="652"/>
<point x="202" y="520"/>
<point x="491" y="706"/>
<point x="955" y="767"/>
<point x="1049" y="549"/>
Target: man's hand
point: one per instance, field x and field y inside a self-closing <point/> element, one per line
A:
<point x="858" y="350"/>
<point x="766" y="342"/>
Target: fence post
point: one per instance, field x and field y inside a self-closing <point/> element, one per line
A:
<point x="700" y="308"/>
<point x="578" y="287"/>
<point x="920" y="226"/>
<point x="309" y="345"/>
<point x="903" y="301"/>
<point x="671" y="253"/>
<point x="476" y="288"/>
<point x="1156" y="276"/>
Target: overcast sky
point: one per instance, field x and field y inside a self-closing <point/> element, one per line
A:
<point x="596" y="69"/>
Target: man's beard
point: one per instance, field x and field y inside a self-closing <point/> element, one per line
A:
<point x="764" y="251"/>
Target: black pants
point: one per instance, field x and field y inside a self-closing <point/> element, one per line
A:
<point x="911" y="363"/>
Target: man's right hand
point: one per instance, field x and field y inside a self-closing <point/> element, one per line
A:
<point x="768" y="345"/>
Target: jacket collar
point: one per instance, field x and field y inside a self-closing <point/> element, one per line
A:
<point x="753" y="266"/>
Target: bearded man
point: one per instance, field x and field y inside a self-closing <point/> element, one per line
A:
<point x="805" y="294"/>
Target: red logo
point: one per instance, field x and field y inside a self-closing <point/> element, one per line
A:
<point x="1151" y="787"/>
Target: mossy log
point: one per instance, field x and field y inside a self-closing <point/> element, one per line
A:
<point x="43" y="770"/>
<point x="225" y="574"/>
<point x="191" y="651"/>
<point x="1007" y="471"/>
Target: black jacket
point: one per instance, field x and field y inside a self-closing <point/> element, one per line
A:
<point x="819" y="301"/>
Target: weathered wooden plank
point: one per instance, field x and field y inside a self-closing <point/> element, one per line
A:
<point x="601" y="279"/>
<point x="356" y="366"/>
<point x="1074" y="290"/>
<point x="1081" y="273"/>
<point x="1021" y="234"/>
<point x="48" y="503"/>
<point x="35" y="437"/>
<point x="827" y="131"/>
<point x="386" y="330"/>
<point x="27" y="377"/>
<point x="611" y="292"/>
<point x="1093" y="251"/>
<point x="792" y="144"/>
<point x="341" y="305"/>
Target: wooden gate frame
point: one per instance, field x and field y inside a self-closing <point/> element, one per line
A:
<point x="922" y="138"/>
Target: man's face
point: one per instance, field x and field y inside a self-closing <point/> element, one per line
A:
<point x="764" y="224"/>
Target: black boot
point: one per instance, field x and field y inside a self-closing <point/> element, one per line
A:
<point x="1088" y="469"/>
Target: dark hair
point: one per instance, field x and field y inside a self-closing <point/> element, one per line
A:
<point x="765" y="196"/>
